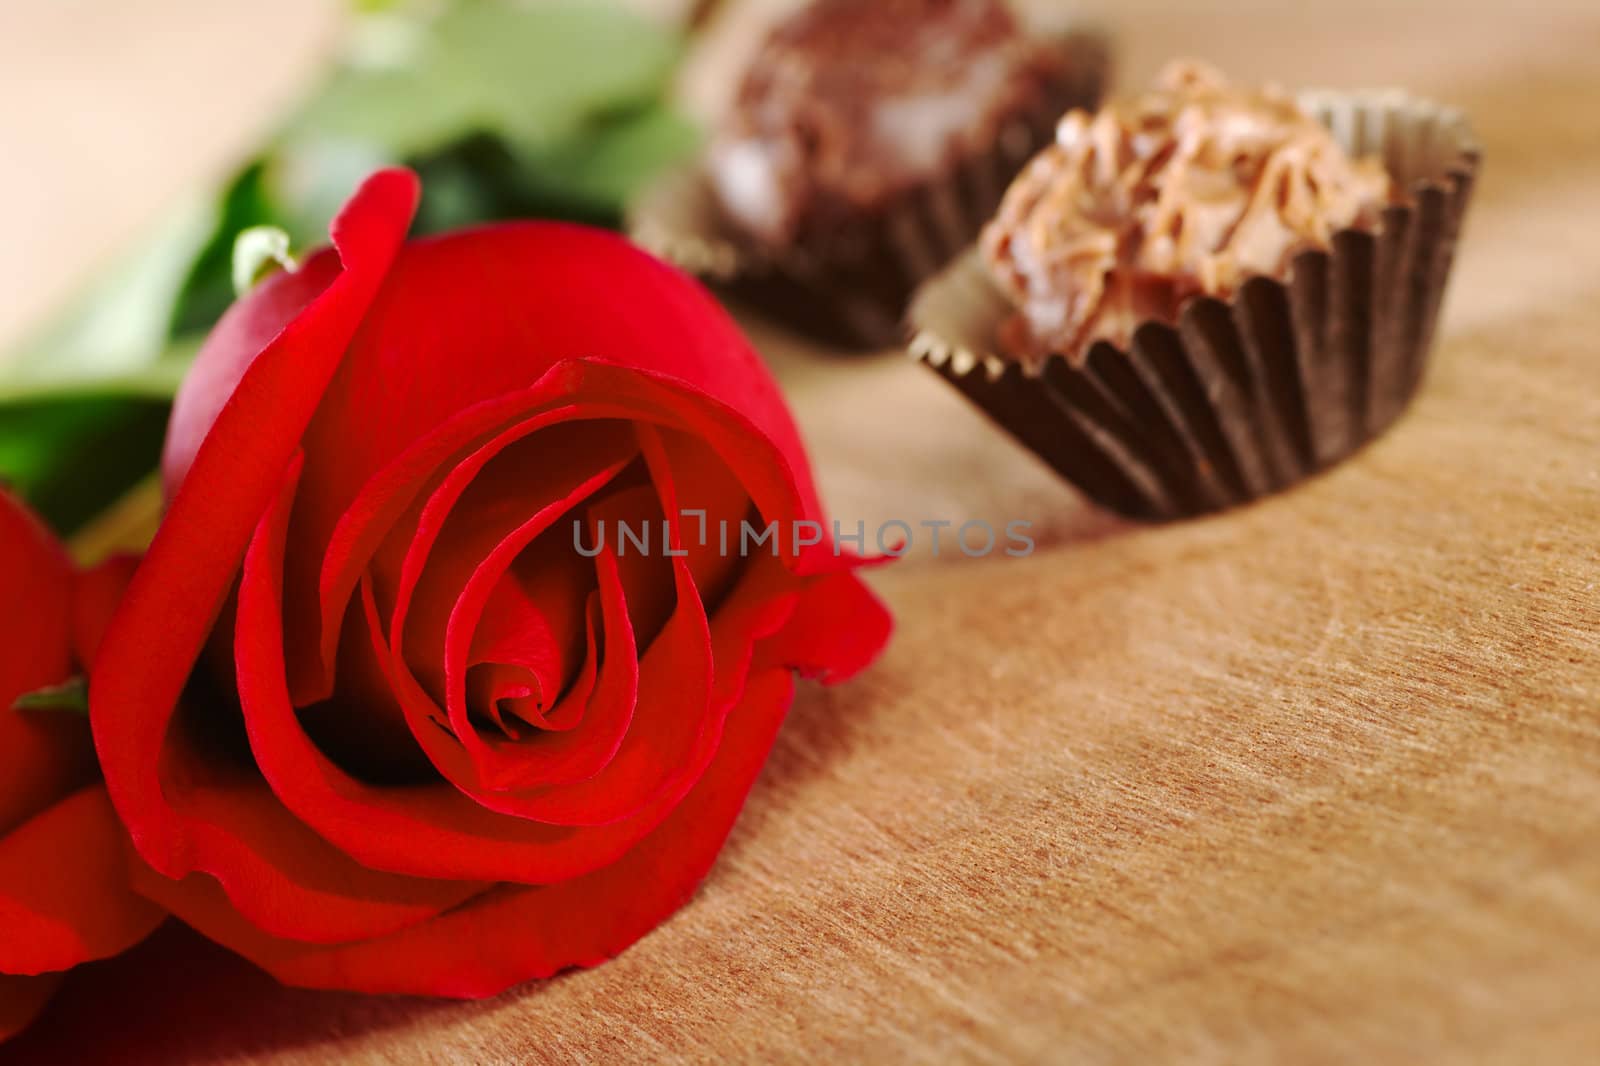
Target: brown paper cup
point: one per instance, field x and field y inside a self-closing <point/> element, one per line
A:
<point x="853" y="293"/>
<point x="1245" y="396"/>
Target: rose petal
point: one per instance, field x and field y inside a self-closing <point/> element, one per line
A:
<point x="530" y="636"/>
<point x="608" y="700"/>
<point x="476" y="523"/>
<point x="426" y="831"/>
<point x="595" y="390"/>
<point x="481" y="314"/>
<point x="837" y="629"/>
<point x="517" y="934"/>
<point x="708" y="493"/>
<point x="245" y="332"/>
<point x="64" y="895"/>
<point x="95" y="595"/>
<point x="463" y="350"/>
<point x="333" y="540"/>
<point x="42" y="756"/>
<point x="431" y="832"/>
<point x="273" y="867"/>
<point x="362" y="725"/>
<point x="675" y="725"/>
<point x="148" y="652"/>
<point x="568" y="710"/>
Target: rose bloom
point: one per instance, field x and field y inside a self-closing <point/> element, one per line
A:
<point x="430" y="746"/>
<point x="64" y="892"/>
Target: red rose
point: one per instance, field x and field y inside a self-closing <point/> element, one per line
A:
<point x="64" y="893"/>
<point x="461" y="753"/>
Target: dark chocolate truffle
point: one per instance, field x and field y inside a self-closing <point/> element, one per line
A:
<point x="851" y="103"/>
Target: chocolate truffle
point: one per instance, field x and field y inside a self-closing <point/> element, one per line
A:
<point x="1187" y="190"/>
<point x="852" y="103"/>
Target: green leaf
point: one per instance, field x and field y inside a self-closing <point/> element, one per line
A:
<point x="586" y="179"/>
<point x="602" y="168"/>
<point x="70" y="696"/>
<point x="531" y="74"/>
<point x="72" y="455"/>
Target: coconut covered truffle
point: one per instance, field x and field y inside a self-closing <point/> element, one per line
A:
<point x="849" y="103"/>
<point x="1187" y="190"/>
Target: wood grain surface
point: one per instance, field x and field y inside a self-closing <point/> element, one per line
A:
<point x="1318" y="781"/>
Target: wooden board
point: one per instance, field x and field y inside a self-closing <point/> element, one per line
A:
<point x="1314" y="782"/>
